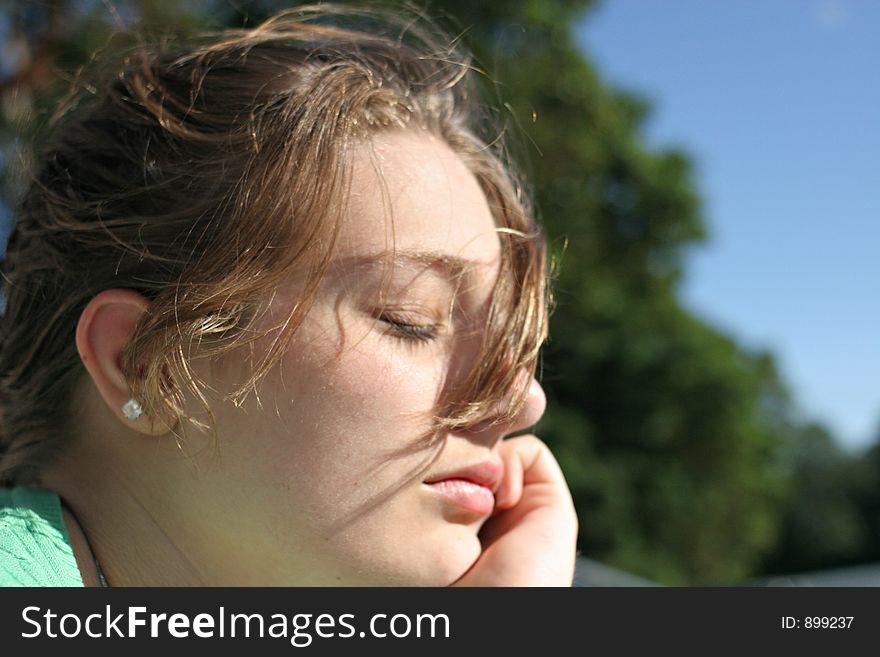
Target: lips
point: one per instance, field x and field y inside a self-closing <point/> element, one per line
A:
<point x="486" y="473"/>
<point x="471" y="488"/>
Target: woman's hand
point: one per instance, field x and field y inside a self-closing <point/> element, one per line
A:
<point x="530" y="538"/>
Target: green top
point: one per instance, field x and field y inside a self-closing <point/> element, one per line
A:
<point x="35" y="548"/>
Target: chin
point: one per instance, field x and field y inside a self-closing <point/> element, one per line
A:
<point x="432" y="561"/>
<point x="445" y="565"/>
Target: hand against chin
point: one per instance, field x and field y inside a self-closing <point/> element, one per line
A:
<point x="530" y="538"/>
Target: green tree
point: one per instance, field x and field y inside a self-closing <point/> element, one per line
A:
<point x="831" y="512"/>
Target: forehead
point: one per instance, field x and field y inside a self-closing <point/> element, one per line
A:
<point x="410" y="193"/>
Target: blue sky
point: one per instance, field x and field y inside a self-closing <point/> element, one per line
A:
<point x="778" y="102"/>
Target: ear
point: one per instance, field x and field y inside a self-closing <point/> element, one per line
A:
<point x="105" y="328"/>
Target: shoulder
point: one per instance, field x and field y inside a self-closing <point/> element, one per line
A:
<point x="35" y="548"/>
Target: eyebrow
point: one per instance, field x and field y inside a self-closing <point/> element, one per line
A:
<point x="450" y="266"/>
<point x="455" y="271"/>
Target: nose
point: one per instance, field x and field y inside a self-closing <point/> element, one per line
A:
<point x="533" y="408"/>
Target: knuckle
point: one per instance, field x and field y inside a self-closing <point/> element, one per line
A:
<point x="530" y="440"/>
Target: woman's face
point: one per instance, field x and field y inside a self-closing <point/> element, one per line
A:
<point x="323" y="482"/>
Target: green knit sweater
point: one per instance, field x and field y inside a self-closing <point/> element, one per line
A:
<point x="35" y="548"/>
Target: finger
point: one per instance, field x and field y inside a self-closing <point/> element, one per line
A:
<point x="527" y="460"/>
<point x="510" y="491"/>
<point x="539" y="481"/>
<point x="537" y="461"/>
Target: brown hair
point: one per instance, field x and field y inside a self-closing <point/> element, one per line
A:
<point x="184" y="172"/>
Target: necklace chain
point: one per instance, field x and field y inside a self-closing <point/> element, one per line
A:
<point x="102" y="579"/>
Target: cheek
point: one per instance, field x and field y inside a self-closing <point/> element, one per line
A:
<point x="352" y="424"/>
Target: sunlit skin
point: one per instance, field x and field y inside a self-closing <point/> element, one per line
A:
<point x="319" y="478"/>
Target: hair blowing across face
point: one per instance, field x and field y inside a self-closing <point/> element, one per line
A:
<point x="204" y="177"/>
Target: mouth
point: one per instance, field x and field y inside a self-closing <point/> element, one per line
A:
<point x="472" y="488"/>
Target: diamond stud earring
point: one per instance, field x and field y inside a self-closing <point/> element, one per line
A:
<point x="132" y="409"/>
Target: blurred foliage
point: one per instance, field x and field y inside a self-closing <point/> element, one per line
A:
<point x="833" y="508"/>
<point x="679" y="445"/>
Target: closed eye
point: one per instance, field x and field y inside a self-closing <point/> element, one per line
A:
<point x="408" y="331"/>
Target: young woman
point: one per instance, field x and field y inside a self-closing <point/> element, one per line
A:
<point x="274" y="306"/>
